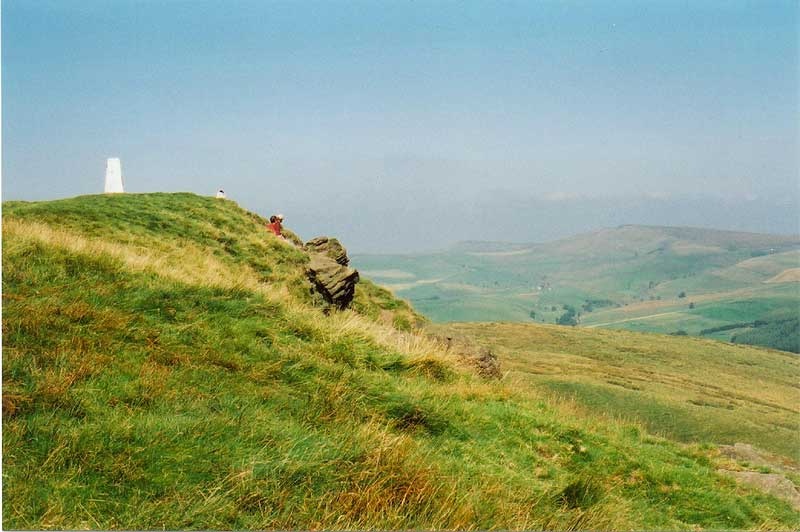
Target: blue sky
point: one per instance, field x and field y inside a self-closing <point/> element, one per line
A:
<point x="340" y="114"/>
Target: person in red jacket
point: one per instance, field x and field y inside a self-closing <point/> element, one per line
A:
<point x="275" y="225"/>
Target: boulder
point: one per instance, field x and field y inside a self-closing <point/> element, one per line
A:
<point x="328" y="271"/>
<point x="775" y="484"/>
<point x="330" y="247"/>
<point x="481" y="358"/>
<point x="486" y="363"/>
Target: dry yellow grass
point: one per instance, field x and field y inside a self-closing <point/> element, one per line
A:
<point x="188" y="264"/>
<point x="792" y="275"/>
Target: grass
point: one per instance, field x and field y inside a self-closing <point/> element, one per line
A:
<point x="690" y="390"/>
<point x="164" y="368"/>
<point x="381" y="305"/>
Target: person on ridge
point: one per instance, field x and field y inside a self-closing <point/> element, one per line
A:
<point x="276" y="225"/>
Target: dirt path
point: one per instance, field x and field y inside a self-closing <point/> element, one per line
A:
<point x="632" y="319"/>
<point x="786" y="276"/>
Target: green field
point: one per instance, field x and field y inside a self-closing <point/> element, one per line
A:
<point x="165" y="367"/>
<point x="645" y="279"/>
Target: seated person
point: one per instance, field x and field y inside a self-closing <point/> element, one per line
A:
<point x="275" y="225"/>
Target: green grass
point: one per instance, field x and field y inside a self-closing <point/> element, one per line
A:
<point x="380" y="304"/>
<point x="163" y="368"/>
<point x="690" y="390"/>
<point x="737" y="310"/>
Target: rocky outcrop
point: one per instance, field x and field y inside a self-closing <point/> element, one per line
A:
<point x="776" y="482"/>
<point x="330" y="247"/>
<point x="479" y="357"/>
<point x="328" y="271"/>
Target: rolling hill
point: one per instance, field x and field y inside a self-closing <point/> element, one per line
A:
<point x="659" y="279"/>
<point x="164" y="366"/>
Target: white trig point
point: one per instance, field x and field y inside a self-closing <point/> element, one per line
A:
<point x="113" y="176"/>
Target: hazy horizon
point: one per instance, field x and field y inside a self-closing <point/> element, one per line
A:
<point x="409" y="127"/>
<point x="527" y="220"/>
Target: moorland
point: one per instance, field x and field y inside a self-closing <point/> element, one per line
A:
<point x="165" y="366"/>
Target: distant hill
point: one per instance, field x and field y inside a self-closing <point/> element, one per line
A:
<point x="635" y="277"/>
<point x="165" y="366"/>
<point x="641" y="238"/>
<point x="479" y="246"/>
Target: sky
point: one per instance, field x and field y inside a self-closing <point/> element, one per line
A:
<point x="407" y="126"/>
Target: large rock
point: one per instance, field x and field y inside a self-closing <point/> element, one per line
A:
<point x="775" y="484"/>
<point x="328" y="272"/>
<point x="481" y="358"/>
<point x="330" y="247"/>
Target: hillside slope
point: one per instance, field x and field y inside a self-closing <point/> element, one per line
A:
<point x="691" y="390"/>
<point x="163" y="367"/>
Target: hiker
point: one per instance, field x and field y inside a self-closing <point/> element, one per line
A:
<point x="275" y="225"/>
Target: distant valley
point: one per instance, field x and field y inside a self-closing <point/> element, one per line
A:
<point x="724" y="285"/>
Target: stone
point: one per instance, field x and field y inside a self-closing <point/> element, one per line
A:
<point x="486" y="363"/>
<point x="328" y="272"/>
<point x="479" y="357"/>
<point x="775" y="484"/>
<point x="330" y="247"/>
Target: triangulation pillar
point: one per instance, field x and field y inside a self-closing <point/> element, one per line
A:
<point x="113" y="176"/>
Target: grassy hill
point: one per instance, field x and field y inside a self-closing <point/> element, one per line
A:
<point x="658" y="279"/>
<point x="691" y="390"/>
<point x="165" y="367"/>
